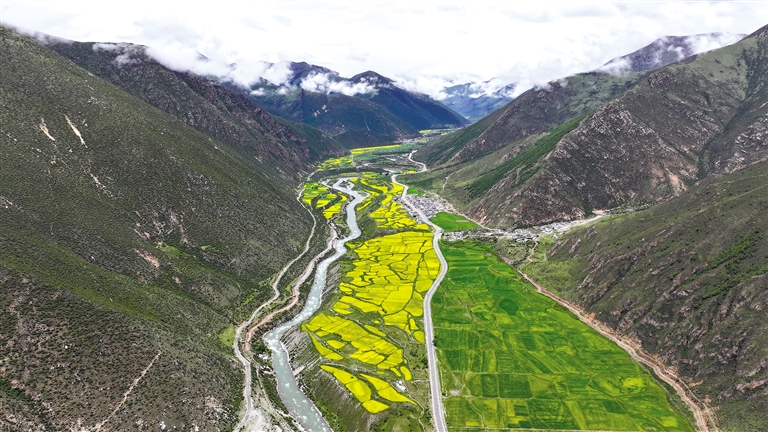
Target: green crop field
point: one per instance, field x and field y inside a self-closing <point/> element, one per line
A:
<point x="452" y="222"/>
<point x="512" y="358"/>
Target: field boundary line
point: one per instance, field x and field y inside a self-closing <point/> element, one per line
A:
<point x="705" y="419"/>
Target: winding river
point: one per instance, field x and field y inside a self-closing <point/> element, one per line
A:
<point x="293" y="398"/>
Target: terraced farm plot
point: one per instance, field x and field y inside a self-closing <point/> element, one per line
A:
<point x="390" y="214"/>
<point x="379" y="305"/>
<point x="311" y="191"/>
<point x="512" y="358"/>
<point x="339" y="162"/>
<point x="330" y="203"/>
<point x="363" y="154"/>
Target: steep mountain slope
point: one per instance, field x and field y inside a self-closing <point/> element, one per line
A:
<point x="225" y="114"/>
<point x="667" y="50"/>
<point x="352" y="121"/>
<point x="675" y="126"/>
<point x="534" y="112"/>
<point x="127" y="242"/>
<point x="473" y="102"/>
<point x="688" y="278"/>
<point x="366" y="109"/>
<point x="417" y="110"/>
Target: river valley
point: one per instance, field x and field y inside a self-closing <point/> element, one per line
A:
<point x="495" y="354"/>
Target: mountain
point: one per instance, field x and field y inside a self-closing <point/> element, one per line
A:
<point x="601" y="141"/>
<point x="472" y="100"/>
<point x="686" y="278"/>
<point x="204" y="104"/>
<point x="669" y="49"/>
<point x="367" y="109"/>
<point x="130" y="242"/>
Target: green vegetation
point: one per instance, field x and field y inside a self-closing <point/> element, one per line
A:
<point x="452" y="222"/>
<point x="524" y="163"/>
<point x="512" y="358"/>
<point x="415" y="191"/>
<point x="141" y="235"/>
<point x="227" y="337"/>
<point x="705" y="254"/>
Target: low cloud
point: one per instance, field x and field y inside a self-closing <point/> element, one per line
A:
<point x="329" y="83"/>
<point x="244" y="74"/>
<point x="128" y="53"/>
<point x="428" y="85"/>
<point x="616" y="66"/>
<point x="708" y="42"/>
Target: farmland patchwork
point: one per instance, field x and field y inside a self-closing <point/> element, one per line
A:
<point x="512" y="358"/>
<point x="361" y="335"/>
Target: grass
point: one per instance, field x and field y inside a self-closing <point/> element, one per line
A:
<point x="227" y="337"/>
<point x="512" y="358"/>
<point x="452" y="222"/>
<point x="673" y="270"/>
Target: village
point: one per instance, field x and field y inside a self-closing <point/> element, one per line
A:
<point x="431" y="206"/>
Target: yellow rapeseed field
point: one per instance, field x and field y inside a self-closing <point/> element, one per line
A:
<point x="381" y="295"/>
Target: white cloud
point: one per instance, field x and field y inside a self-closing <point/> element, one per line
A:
<point x="326" y="83"/>
<point x="704" y="43"/>
<point x="419" y="45"/>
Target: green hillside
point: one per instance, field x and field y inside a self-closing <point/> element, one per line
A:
<point x="128" y="240"/>
<point x="646" y="141"/>
<point x="688" y="279"/>
<point x="215" y="109"/>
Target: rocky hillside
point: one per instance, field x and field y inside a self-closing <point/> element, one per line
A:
<point x="128" y="241"/>
<point x="687" y="278"/>
<point x="648" y="143"/>
<point x="367" y="109"/>
<point x="217" y="110"/>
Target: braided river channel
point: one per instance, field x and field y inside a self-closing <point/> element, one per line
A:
<point x="293" y="398"/>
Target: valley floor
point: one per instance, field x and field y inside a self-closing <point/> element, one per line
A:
<point x="508" y="356"/>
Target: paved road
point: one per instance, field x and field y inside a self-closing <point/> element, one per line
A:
<point x="436" y="397"/>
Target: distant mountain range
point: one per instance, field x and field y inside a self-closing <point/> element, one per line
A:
<point x="367" y="109"/>
<point x="472" y="100"/>
<point x="491" y="166"/>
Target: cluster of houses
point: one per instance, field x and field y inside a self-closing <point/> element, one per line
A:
<point x="520" y="235"/>
<point x="430" y="206"/>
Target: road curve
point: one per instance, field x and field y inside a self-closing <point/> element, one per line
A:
<point x="436" y="397"/>
<point x="249" y="410"/>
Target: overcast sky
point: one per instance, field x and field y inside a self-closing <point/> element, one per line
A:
<point x="423" y="43"/>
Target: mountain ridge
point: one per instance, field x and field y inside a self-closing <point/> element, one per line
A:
<point x="647" y="140"/>
<point x="129" y="241"/>
<point x="367" y="109"/>
<point x="205" y="105"/>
